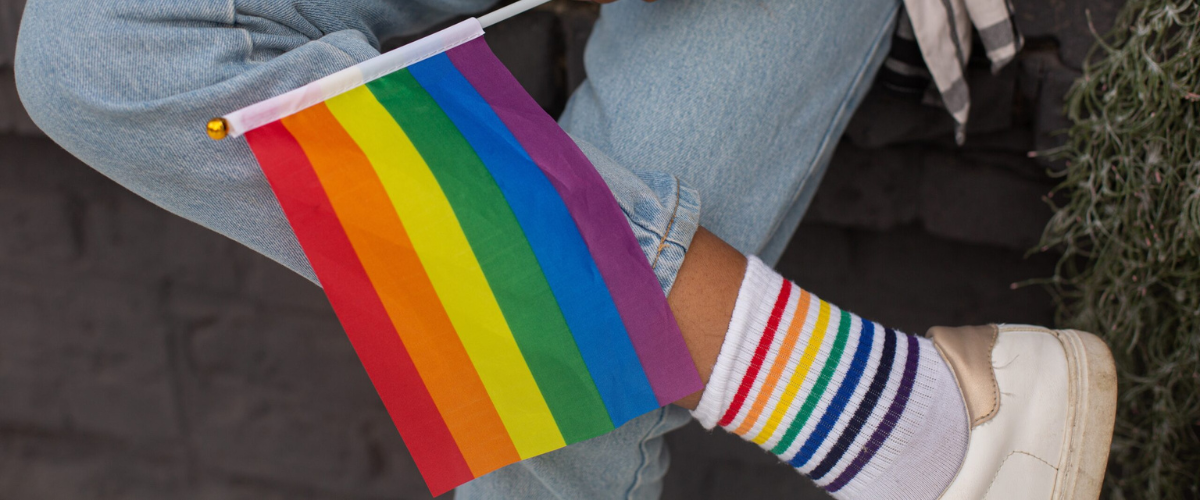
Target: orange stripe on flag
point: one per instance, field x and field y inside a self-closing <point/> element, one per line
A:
<point x="383" y="247"/>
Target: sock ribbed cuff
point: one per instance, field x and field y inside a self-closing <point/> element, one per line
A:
<point x="863" y="410"/>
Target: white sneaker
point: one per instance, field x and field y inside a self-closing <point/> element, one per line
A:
<point x="1041" y="404"/>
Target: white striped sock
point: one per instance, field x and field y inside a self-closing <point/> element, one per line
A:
<point x="867" y="412"/>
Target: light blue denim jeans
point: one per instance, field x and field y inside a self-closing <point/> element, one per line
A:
<point x="741" y="101"/>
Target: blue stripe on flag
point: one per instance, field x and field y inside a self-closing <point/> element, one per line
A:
<point x="566" y="262"/>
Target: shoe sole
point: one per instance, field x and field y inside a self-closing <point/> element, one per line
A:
<point x="1091" y="414"/>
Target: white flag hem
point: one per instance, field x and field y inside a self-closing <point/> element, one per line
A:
<point x="286" y="104"/>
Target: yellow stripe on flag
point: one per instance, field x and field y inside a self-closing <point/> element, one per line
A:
<point x="453" y="269"/>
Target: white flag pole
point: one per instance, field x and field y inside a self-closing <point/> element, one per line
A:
<point x="263" y="112"/>
<point x="508" y="11"/>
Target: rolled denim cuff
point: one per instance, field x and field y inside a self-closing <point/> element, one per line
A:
<point x="662" y="210"/>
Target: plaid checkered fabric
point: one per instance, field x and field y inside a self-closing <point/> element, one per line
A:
<point x="932" y="44"/>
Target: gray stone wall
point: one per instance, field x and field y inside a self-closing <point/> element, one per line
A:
<point x="142" y="356"/>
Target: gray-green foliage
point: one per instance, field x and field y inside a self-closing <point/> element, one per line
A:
<point x="1128" y="219"/>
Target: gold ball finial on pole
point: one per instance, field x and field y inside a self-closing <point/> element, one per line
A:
<point x="217" y="128"/>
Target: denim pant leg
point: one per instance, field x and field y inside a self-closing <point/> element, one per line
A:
<point x="127" y="86"/>
<point x="743" y="100"/>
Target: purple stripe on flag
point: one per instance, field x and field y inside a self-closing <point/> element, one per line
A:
<point x="626" y="272"/>
<point x="889" y="419"/>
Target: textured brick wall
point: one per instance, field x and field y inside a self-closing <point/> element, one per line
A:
<point x="142" y="356"/>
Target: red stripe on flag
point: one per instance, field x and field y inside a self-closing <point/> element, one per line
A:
<point x="358" y="307"/>
<point x="760" y="354"/>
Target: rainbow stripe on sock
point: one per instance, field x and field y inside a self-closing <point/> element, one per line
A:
<point x="811" y="368"/>
<point x="482" y="269"/>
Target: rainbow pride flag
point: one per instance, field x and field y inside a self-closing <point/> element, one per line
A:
<point x="479" y="264"/>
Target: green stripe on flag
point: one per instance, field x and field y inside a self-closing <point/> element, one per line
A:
<point x="504" y="254"/>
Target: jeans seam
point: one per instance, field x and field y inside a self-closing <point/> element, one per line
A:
<point x="662" y="243"/>
<point x="245" y="32"/>
<point x="637" y="476"/>
<point x="825" y="141"/>
<point x="637" y="223"/>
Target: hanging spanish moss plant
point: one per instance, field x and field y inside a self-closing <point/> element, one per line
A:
<point x="1129" y="224"/>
